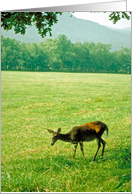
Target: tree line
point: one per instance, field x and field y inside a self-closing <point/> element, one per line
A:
<point x="60" y="54"/>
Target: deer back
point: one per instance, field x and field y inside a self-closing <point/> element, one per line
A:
<point x="88" y="131"/>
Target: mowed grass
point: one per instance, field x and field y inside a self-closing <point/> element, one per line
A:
<point x="32" y="102"/>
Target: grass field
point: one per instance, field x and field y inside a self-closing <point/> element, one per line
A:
<point x="31" y="102"/>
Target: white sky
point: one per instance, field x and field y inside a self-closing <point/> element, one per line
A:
<point x="103" y="19"/>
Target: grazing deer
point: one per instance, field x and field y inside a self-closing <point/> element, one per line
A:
<point x="79" y="134"/>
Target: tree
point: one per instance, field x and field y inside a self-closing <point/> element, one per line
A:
<point x="10" y="50"/>
<point x="64" y="48"/>
<point x="42" y="20"/>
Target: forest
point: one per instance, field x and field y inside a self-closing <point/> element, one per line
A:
<point x="60" y="54"/>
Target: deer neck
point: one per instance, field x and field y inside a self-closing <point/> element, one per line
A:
<point x="64" y="137"/>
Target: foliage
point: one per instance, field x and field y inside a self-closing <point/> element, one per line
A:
<point x="116" y="16"/>
<point x="31" y="102"/>
<point x="20" y="20"/>
<point x="61" y="55"/>
<point x="42" y="20"/>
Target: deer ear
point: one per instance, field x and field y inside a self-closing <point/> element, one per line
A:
<point x="59" y="130"/>
<point x="50" y="131"/>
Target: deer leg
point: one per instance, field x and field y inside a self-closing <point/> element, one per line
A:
<point x="99" y="145"/>
<point x="75" y="147"/>
<point x="103" y="142"/>
<point x="81" y="147"/>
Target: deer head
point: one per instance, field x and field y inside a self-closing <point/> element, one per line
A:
<point x="55" y="135"/>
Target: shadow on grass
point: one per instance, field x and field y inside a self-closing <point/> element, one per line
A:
<point x="28" y="174"/>
<point x="120" y="153"/>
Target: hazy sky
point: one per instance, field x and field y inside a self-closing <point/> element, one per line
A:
<point x="103" y="19"/>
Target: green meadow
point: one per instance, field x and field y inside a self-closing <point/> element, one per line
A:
<point x="32" y="102"/>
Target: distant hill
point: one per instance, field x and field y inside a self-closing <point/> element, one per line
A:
<point x="78" y="30"/>
<point x="127" y="29"/>
<point x="123" y="30"/>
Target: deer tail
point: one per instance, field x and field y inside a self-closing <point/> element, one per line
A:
<point x="106" y="131"/>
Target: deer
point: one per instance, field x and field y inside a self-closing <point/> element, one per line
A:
<point x="79" y="134"/>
